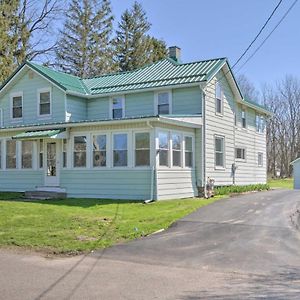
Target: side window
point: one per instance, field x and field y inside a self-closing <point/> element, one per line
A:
<point x="44" y="98"/>
<point x="244" y="121"/>
<point x="163" y="103"/>
<point x="219" y="152"/>
<point x="79" y="151"/>
<point x="99" y="150"/>
<point x="260" y="159"/>
<point x="17" y="106"/>
<point x="260" y="123"/>
<point x="117" y="108"/>
<point x="163" y="139"/>
<point x="188" y="151"/>
<point x="240" y="153"/>
<point x="142" y="149"/>
<point x="120" y="150"/>
<point x="11" y="160"/>
<point x="219" y="99"/>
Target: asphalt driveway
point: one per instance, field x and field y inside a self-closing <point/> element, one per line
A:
<point x="247" y="247"/>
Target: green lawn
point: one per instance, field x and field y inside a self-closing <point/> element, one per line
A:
<point x="78" y="225"/>
<point x="286" y="183"/>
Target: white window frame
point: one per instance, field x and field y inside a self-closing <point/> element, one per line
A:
<point x="13" y="95"/>
<point x="87" y="150"/>
<point x="129" y="149"/>
<point x="193" y="151"/>
<point x="171" y="133"/>
<point x="111" y="106"/>
<point x="260" y="123"/>
<point x="39" y="91"/>
<point x="32" y="154"/>
<point x="221" y="99"/>
<point x="107" y="150"/>
<point x="217" y="167"/>
<point x="134" y="149"/>
<point x="245" y="111"/>
<point x="262" y="159"/>
<point x="238" y="158"/>
<point x="17" y="150"/>
<point x="169" y="92"/>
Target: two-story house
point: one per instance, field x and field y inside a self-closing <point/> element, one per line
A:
<point x="154" y="133"/>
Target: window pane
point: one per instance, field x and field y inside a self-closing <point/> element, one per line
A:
<point x="80" y="151"/>
<point x="45" y="109"/>
<point x="218" y="91"/>
<point x="99" y="142"/>
<point x="163" y="140"/>
<point x="177" y="158"/>
<point x="117" y="103"/>
<point x="176" y="145"/>
<point x="163" y="98"/>
<point x="64" y="153"/>
<point x="188" y="143"/>
<point x="17" y="112"/>
<point x="117" y="113"/>
<point x="120" y="150"/>
<point x="11" y="161"/>
<point x="219" y="106"/>
<point x="99" y="158"/>
<point x="219" y="159"/>
<point x="163" y="109"/>
<point x="44" y="97"/>
<point x="219" y="144"/>
<point x="142" y="146"/>
<point x="163" y="157"/>
<point x="99" y="151"/>
<point x="120" y="142"/>
<point x="41" y="154"/>
<point x="17" y="101"/>
<point x="142" y="157"/>
<point x="188" y="159"/>
<point x="142" y="140"/>
<point x="26" y="154"/>
<point x="176" y="141"/>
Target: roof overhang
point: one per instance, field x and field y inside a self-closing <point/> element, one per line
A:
<point x="40" y="134"/>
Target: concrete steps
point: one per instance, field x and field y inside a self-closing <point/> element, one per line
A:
<point x="43" y="195"/>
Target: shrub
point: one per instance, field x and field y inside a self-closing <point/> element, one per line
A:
<point x="225" y="190"/>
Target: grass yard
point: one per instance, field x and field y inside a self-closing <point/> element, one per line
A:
<point x="286" y="183"/>
<point x="71" y="226"/>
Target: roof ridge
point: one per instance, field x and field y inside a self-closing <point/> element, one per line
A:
<point x="205" y="60"/>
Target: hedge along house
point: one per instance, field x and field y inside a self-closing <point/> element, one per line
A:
<point x="154" y="133"/>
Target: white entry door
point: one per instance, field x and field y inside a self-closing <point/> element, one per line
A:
<point x="51" y="163"/>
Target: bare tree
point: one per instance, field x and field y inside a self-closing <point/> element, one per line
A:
<point x="248" y="89"/>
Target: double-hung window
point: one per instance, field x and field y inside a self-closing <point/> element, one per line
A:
<point x="219" y="99"/>
<point x="163" y="140"/>
<point x="120" y="150"/>
<point x="27" y="147"/>
<point x="99" y="150"/>
<point x="188" y="151"/>
<point x="17" y="106"/>
<point x="142" y="149"/>
<point x="163" y="103"/>
<point x="240" y="153"/>
<point x="11" y="152"/>
<point x="219" y="151"/>
<point x="176" y="149"/>
<point x="80" y="151"/>
<point x="117" y="108"/>
<point x="44" y="102"/>
<point x="260" y="123"/>
<point x="244" y="121"/>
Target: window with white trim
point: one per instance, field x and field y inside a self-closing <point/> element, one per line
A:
<point x="80" y="151"/>
<point x="120" y="150"/>
<point x="240" y="153"/>
<point x="219" y="151"/>
<point x="117" y="107"/>
<point x="11" y="154"/>
<point x="163" y="103"/>
<point x="219" y="98"/>
<point x="176" y="149"/>
<point x="142" y="149"/>
<point x="27" y="147"/>
<point x="17" y="106"/>
<point x="41" y="153"/>
<point x="64" y="152"/>
<point x="163" y="141"/>
<point x="244" y="121"/>
<point x="260" y="159"/>
<point x="99" y="150"/>
<point x="44" y="102"/>
<point x="188" y="151"/>
<point x="260" y="123"/>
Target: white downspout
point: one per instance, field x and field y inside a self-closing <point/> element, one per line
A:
<point x="203" y="144"/>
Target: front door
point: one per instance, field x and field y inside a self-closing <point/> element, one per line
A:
<point x="51" y="163"/>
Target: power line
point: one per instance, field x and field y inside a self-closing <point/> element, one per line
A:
<point x="258" y="34"/>
<point x="268" y="36"/>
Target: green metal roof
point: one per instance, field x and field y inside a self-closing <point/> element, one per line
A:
<point x="37" y="134"/>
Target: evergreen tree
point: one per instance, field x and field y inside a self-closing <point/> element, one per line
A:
<point x="84" y="48"/>
<point x="133" y="47"/>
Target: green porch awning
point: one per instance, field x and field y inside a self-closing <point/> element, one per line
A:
<point x="32" y="135"/>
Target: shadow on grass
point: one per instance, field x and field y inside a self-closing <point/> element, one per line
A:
<point x="80" y="202"/>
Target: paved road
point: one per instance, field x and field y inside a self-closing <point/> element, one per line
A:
<point x="247" y="247"/>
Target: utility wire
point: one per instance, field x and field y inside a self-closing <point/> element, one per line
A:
<point x="268" y="36"/>
<point x="259" y="33"/>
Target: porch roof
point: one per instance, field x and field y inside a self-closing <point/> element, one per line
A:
<point x="29" y="135"/>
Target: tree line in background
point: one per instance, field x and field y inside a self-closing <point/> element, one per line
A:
<point x="87" y="44"/>
<point x="283" y="128"/>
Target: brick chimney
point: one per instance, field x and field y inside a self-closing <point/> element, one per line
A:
<point x="175" y="53"/>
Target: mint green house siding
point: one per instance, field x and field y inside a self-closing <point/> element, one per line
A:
<point x="187" y="101"/>
<point x="139" y="104"/>
<point x="29" y="84"/>
<point x="98" y="108"/>
<point x="76" y="108"/>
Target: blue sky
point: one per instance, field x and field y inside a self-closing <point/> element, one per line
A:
<point x="218" y="28"/>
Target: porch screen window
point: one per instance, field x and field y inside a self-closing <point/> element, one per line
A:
<point x="99" y="150"/>
<point x="260" y="159"/>
<point x="142" y="149"/>
<point x="176" y="149"/>
<point x="240" y="153"/>
<point x="11" y="161"/>
<point x="27" y="154"/>
<point x="163" y="138"/>
<point x="120" y="150"/>
<point x="41" y="155"/>
<point x="117" y="108"/>
<point x="219" y="152"/>
<point x="17" y="107"/>
<point x="64" y="150"/>
<point x="163" y="103"/>
<point x="244" y="124"/>
<point x="219" y="98"/>
<point x="80" y="151"/>
<point x="44" y="103"/>
<point x="188" y="153"/>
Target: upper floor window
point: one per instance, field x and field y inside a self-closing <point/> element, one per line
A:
<point x="244" y="121"/>
<point x="260" y="123"/>
<point x="142" y="149"/>
<point x="99" y="150"/>
<point x="80" y="151"/>
<point x="219" y="152"/>
<point x="17" y="105"/>
<point x="117" y="108"/>
<point x="163" y="103"/>
<point x="219" y="98"/>
<point x="44" y="97"/>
